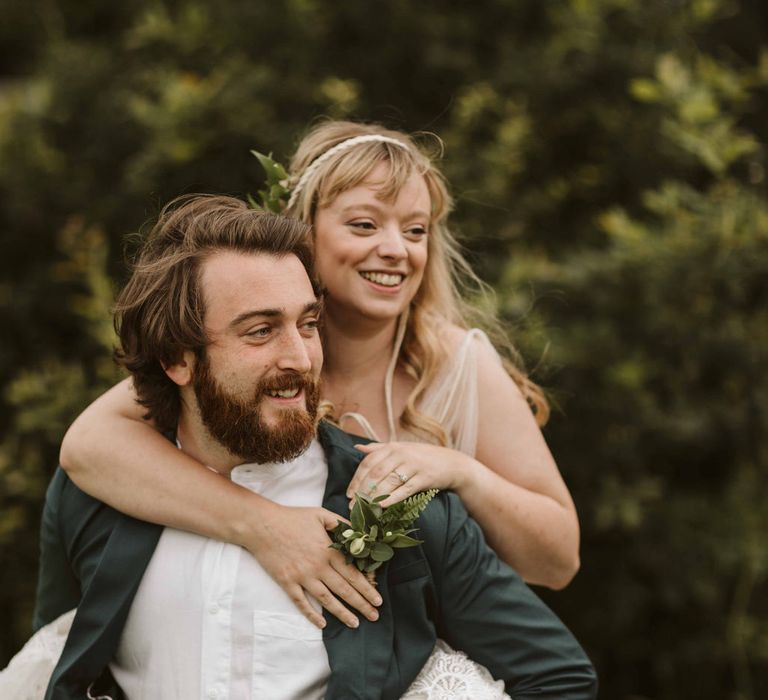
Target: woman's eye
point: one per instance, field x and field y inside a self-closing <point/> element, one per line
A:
<point x="417" y="231"/>
<point x="363" y="225"/>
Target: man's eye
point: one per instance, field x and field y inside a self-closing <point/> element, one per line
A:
<point x="258" y="333"/>
<point x="311" y="325"/>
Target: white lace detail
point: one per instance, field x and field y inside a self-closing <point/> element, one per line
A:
<point x="450" y="674"/>
<point x="26" y="676"/>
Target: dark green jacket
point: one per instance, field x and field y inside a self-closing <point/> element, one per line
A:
<point x="452" y="586"/>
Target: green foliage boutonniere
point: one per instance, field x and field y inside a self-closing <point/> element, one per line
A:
<point x="275" y="196"/>
<point x="375" y="532"/>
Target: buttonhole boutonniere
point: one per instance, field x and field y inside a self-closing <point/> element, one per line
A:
<point x="374" y="532"/>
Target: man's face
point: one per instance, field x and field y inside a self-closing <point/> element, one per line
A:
<point x="257" y="384"/>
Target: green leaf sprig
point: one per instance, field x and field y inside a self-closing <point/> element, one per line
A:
<point x="275" y="196"/>
<point x="375" y="532"/>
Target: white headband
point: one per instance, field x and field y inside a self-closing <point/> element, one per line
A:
<point x="343" y="146"/>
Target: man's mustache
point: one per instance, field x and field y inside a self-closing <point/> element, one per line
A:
<point x="286" y="381"/>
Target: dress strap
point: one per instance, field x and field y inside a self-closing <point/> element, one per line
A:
<point x="362" y="421"/>
<point x="402" y="324"/>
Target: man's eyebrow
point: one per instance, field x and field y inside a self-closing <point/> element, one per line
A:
<point x="309" y="308"/>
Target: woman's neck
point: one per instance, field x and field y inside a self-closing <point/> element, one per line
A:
<point x="357" y="349"/>
<point x="358" y="355"/>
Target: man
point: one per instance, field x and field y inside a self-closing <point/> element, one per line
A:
<point x="219" y="328"/>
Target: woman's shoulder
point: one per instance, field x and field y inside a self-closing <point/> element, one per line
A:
<point x="458" y="342"/>
<point x="471" y="350"/>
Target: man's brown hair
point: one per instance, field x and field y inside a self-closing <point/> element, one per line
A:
<point x="161" y="310"/>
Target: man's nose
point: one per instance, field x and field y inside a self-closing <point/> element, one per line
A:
<point x="391" y="244"/>
<point x="294" y="352"/>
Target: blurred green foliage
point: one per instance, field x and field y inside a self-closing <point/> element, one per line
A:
<point x="608" y="159"/>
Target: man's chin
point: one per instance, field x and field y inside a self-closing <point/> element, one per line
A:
<point x="273" y="413"/>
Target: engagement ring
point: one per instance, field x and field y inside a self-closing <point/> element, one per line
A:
<point x="403" y="478"/>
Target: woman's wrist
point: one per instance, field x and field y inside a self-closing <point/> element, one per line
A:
<point x="465" y="472"/>
<point x="248" y="524"/>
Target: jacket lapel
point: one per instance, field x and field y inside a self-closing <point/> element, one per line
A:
<point x="360" y="658"/>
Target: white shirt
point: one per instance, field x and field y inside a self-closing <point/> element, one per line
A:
<point x="208" y="622"/>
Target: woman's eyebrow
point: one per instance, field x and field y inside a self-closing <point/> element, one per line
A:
<point x="376" y="209"/>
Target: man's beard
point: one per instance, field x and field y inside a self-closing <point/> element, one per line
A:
<point x="237" y="423"/>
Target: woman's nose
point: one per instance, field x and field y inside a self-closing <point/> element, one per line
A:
<point x="391" y="244"/>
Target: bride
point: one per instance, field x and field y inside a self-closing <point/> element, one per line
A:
<point x="403" y="366"/>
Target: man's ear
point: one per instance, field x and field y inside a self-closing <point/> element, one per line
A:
<point x="181" y="372"/>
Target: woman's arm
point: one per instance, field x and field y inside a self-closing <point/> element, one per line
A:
<point x="118" y="458"/>
<point x="512" y="488"/>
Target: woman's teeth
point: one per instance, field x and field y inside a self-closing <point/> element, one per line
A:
<point x="386" y="280"/>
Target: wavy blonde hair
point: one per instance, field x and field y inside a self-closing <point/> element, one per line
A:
<point x="448" y="279"/>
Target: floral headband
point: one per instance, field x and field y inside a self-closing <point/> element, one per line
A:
<point x="277" y="196"/>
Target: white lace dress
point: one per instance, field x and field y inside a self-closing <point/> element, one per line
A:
<point x="27" y="676"/>
<point x="448" y="674"/>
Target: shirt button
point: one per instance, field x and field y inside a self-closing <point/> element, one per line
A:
<point x="212" y="693"/>
<point x="213" y="609"/>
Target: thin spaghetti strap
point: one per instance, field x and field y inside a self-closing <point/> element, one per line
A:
<point x="389" y="377"/>
<point x="362" y="421"/>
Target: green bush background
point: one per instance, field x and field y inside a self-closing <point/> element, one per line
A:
<point x="608" y="159"/>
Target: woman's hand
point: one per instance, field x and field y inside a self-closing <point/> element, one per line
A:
<point x="292" y="544"/>
<point x="404" y="468"/>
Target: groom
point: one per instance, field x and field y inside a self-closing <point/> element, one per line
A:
<point x="219" y="329"/>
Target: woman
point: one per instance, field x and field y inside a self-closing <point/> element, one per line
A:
<point x="400" y="366"/>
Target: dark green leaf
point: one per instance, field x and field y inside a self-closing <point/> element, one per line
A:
<point x="382" y="552"/>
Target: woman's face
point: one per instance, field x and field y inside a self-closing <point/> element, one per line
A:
<point x="370" y="253"/>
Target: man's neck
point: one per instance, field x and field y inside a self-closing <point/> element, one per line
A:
<point x="196" y="441"/>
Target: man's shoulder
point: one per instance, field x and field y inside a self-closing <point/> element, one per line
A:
<point x="70" y="509"/>
<point x="339" y="444"/>
<point x="331" y="435"/>
<point x="443" y="518"/>
<point x="64" y="492"/>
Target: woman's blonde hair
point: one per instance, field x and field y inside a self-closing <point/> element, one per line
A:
<point x="448" y="279"/>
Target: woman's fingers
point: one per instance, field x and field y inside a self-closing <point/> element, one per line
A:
<point x="401" y="490"/>
<point x="331" y="603"/>
<point x="301" y="561"/>
<point x="373" y="470"/>
<point x="351" y="575"/>
<point x="352" y="590"/>
<point x="299" y="597"/>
